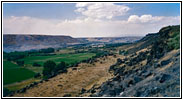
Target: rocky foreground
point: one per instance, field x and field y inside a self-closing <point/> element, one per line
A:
<point x="153" y="70"/>
<point x="161" y="79"/>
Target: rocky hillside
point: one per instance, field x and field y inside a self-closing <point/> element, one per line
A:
<point x="28" y="42"/>
<point x="152" y="69"/>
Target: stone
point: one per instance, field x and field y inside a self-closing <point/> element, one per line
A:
<point x="165" y="62"/>
<point x="137" y="79"/>
<point x="147" y="73"/>
<point x="67" y="95"/>
<point x="156" y="65"/>
<point x="74" y="68"/>
<point x="164" y="77"/>
<point x="83" y="90"/>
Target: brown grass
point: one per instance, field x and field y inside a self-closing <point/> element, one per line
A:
<point x="86" y="76"/>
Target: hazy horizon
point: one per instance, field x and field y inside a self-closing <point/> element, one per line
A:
<point x="89" y="19"/>
<point x="70" y="36"/>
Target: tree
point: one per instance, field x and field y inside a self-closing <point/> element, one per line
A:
<point x="48" y="69"/>
<point x="48" y="50"/>
<point x="62" y="66"/>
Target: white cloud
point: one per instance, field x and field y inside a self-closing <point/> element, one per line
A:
<point x="80" y="10"/>
<point x="88" y="27"/>
<point x="83" y="4"/>
<point x="144" y="19"/>
<point x="101" y="10"/>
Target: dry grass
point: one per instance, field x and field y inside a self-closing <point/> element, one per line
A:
<point x="20" y="85"/>
<point x="166" y="57"/>
<point x="86" y="76"/>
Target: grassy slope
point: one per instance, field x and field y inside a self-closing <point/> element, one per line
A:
<point x="14" y="73"/>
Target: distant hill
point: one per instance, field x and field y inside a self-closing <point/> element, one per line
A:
<point x="28" y="42"/>
<point x="112" y="39"/>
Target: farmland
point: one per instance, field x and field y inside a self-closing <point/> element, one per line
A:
<point x="67" y="58"/>
<point x="14" y="73"/>
<point x="16" y="77"/>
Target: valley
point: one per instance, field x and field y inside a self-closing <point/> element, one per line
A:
<point x="149" y="67"/>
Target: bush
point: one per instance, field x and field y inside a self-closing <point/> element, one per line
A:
<point x="36" y="64"/>
<point x="174" y="41"/>
<point x="123" y="52"/>
<point x="6" y="92"/>
<point x="37" y="75"/>
<point x="20" y="63"/>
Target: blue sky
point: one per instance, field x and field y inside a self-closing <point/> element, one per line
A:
<point x="75" y="16"/>
<point x="40" y="10"/>
<point x="66" y="11"/>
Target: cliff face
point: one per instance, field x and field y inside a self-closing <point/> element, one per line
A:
<point x="28" y="42"/>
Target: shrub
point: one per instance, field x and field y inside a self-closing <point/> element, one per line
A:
<point x="37" y="75"/>
<point x="6" y="92"/>
<point x="20" y="63"/>
<point x="36" y="64"/>
<point x="174" y="41"/>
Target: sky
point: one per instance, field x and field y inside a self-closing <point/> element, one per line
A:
<point x="89" y="19"/>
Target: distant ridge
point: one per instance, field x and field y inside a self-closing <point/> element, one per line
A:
<point x="26" y="42"/>
<point x="23" y="42"/>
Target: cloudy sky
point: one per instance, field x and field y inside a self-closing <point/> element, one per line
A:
<point x="89" y="19"/>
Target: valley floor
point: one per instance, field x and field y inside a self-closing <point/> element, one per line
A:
<point x="76" y="80"/>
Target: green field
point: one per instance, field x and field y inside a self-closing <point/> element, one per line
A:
<point x="67" y="58"/>
<point x="14" y="73"/>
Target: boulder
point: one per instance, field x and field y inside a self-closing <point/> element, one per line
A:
<point x="156" y="65"/>
<point x="164" y="77"/>
<point x="165" y="62"/>
<point x="137" y="79"/>
<point x="146" y="74"/>
<point x="83" y="90"/>
<point x="119" y="61"/>
<point x="23" y="90"/>
<point x="74" y="68"/>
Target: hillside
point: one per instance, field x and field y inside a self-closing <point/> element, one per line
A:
<point x="152" y="70"/>
<point x="20" y="42"/>
<point x="112" y="39"/>
<point x="28" y="42"/>
<point x="149" y="67"/>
